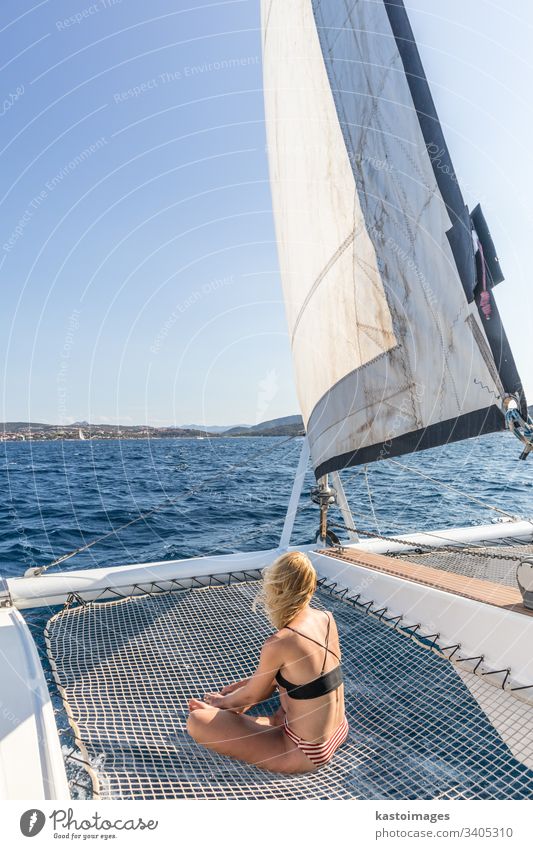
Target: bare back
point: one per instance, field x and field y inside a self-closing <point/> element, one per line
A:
<point x="304" y="658"/>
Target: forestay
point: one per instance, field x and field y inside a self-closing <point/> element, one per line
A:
<point x="387" y="278"/>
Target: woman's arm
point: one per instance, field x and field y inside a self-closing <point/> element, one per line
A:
<point x="255" y="689"/>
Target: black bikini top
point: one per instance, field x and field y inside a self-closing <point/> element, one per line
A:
<point x="325" y="683"/>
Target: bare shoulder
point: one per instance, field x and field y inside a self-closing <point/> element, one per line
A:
<point x="274" y="644"/>
<point x="334" y="632"/>
<point x="331" y="618"/>
<point x="329" y="614"/>
<point x="272" y="652"/>
<point x="280" y="641"/>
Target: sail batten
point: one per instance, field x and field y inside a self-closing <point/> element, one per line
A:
<point x="388" y="324"/>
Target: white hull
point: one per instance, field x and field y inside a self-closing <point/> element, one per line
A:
<point x="31" y="761"/>
<point x="54" y="588"/>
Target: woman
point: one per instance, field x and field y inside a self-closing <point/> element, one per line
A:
<point x="303" y="659"/>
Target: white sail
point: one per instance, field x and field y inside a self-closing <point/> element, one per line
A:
<point x="391" y="350"/>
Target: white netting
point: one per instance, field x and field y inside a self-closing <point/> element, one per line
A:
<point x="126" y="669"/>
<point x="488" y="563"/>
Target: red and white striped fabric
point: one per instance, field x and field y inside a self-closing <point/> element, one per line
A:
<point x="320" y="753"/>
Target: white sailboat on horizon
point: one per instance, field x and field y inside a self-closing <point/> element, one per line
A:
<point x="398" y="346"/>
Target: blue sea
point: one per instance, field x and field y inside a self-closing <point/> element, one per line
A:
<point x="228" y="494"/>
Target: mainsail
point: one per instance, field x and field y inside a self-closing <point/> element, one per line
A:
<point x="396" y="339"/>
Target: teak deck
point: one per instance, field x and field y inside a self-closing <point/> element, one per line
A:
<point x="474" y="588"/>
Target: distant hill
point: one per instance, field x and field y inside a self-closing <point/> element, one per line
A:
<point x="13" y="426"/>
<point x="286" y="426"/>
<point x="211" y="428"/>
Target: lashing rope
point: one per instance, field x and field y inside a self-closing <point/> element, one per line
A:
<point x="370" y="499"/>
<point x="456" y="547"/>
<point x="415" y="545"/>
<point x="153" y="588"/>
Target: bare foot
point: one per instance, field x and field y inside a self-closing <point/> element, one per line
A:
<point x="196" y="704"/>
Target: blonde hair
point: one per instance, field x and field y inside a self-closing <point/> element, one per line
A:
<point x="288" y="586"/>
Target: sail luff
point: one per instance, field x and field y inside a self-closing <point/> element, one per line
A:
<point x="459" y="235"/>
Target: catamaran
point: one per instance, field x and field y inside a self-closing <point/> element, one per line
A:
<point x="398" y="346"/>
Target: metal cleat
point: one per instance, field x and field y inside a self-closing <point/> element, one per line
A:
<point x="524" y="576"/>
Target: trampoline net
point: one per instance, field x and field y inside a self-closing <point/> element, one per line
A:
<point x="421" y="727"/>
<point x="488" y="563"/>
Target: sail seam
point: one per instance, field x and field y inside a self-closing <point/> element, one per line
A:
<point x="382" y="399"/>
<point x="366" y="365"/>
<point x="329" y="265"/>
<point x="468" y="425"/>
<point x="267" y="21"/>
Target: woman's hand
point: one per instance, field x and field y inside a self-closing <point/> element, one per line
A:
<point x="230" y="688"/>
<point x="215" y="700"/>
<point x="220" y="701"/>
<point x="242" y="695"/>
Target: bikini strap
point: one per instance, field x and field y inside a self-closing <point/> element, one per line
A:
<point x="316" y="641"/>
<point x="327" y="641"/>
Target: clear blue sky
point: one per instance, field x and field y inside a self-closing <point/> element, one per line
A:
<point x="139" y="269"/>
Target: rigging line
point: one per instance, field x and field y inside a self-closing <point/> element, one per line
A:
<point x="247" y="535"/>
<point x="395" y="526"/>
<point x="276" y="522"/>
<point x="165" y="503"/>
<point x="512" y="516"/>
<point x="365" y="469"/>
<point x="457" y="548"/>
<point x="458" y="491"/>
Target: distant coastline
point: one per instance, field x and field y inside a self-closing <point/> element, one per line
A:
<point x="79" y="431"/>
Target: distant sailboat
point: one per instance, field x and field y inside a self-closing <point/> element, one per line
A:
<point x="81" y="434"/>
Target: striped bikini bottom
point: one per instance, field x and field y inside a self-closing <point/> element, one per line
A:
<point x="320" y="753"/>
